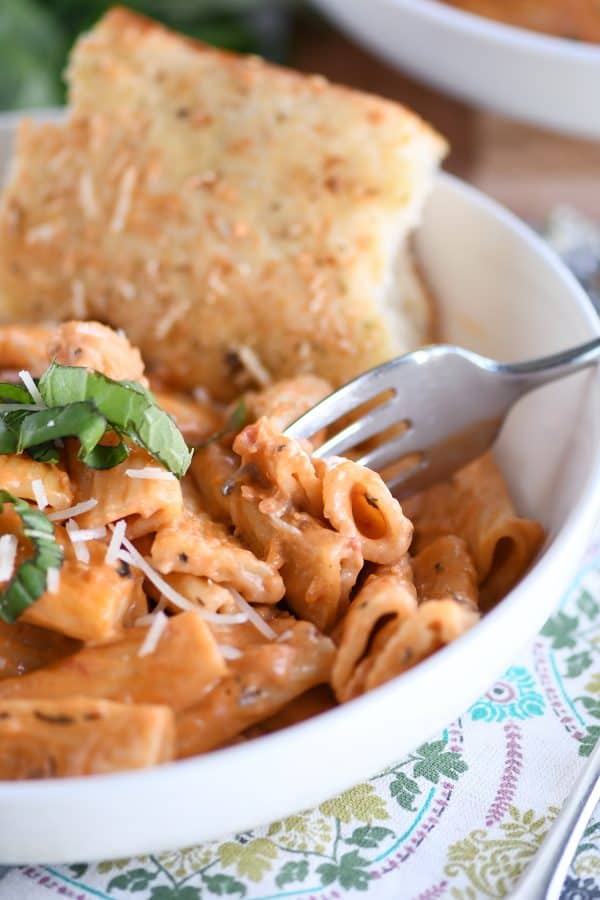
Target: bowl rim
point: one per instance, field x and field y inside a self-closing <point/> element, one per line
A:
<point x="500" y="33"/>
<point x="178" y="772"/>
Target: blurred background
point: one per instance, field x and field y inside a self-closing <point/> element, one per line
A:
<point x="36" y="36"/>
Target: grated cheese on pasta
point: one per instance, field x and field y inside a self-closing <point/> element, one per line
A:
<point x="155" y="631"/>
<point x="118" y="532"/>
<point x="229" y="652"/>
<point x="253" y="365"/>
<point x="134" y="558"/>
<point x="253" y="617"/>
<point x="53" y="581"/>
<point x="27" y="379"/>
<point x="89" y="534"/>
<point x="82" y="553"/>
<point x="153" y="473"/>
<point x="8" y="555"/>
<point x="39" y="492"/>
<point x="71" y="511"/>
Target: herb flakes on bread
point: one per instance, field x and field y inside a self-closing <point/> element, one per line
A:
<point x="205" y="201"/>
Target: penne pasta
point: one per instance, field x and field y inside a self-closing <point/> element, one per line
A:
<point x="434" y="624"/>
<point x="280" y="471"/>
<point x="386" y="600"/>
<point x="196" y="421"/>
<point x="81" y="736"/>
<point x="93" y="600"/>
<point x="95" y="346"/>
<point x="444" y="568"/>
<point x="184" y="664"/>
<point x="358" y="504"/>
<point x="318" y="566"/>
<point x="475" y="506"/>
<point x="152" y="503"/>
<point x="263" y="680"/>
<point x="17" y="474"/>
<point x="195" y="545"/>
<point x="285" y="401"/>
<point x="168" y="611"/>
<point x="24" y="648"/>
<point x="24" y="347"/>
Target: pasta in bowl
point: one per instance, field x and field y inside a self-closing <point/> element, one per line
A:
<point x="157" y="605"/>
<point x="548" y="471"/>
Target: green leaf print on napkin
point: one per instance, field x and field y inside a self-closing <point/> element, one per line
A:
<point x="588" y="743"/>
<point x="435" y="761"/>
<point x="578" y="663"/>
<point x="132" y="880"/>
<point x="593" y="686"/>
<point x="405" y="790"/>
<point x="252" y="860"/>
<point x="350" y="872"/>
<point x="368" y="836"/>
<point x="292" y="871"/>
<point x="493" y="862"/>
<point x="224" y="884"/>
<point x="561" y="629"/>
<point x="588" y="605"/>
<point x="360" y="802"/>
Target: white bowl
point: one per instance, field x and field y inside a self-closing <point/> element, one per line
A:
<point x="546" y="80"/>
<point x="502" y="292"/>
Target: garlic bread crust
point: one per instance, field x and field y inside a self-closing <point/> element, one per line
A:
<point x="205" y="201"/>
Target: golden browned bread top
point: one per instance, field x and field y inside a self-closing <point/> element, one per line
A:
<point x="204" y="201"/>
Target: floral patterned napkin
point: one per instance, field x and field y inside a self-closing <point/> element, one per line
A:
<point x="459" y="817"/>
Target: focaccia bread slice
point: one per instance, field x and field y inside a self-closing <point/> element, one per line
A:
<point x="205" y="201"/>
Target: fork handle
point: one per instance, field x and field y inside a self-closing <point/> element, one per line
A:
<point x="538" y="372"/>
<point x="544" y="878"/>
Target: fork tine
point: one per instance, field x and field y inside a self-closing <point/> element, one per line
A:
<point x="391" y="451"/>
<point x="356" y="393"/>
<point x="373" y="422"/>
<point x="409" y="482"/>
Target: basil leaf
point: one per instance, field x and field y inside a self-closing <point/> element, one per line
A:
<point x="105" y="456"/>
<point x="81" y="420"/>
<point x="8" y="438"/>
<point x="44" y="453"/>
<point x="29" y="581"/>
<point x="14" y="393"/>
<point x="130" y="410"/>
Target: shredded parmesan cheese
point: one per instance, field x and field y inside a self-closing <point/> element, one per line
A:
<point x="8" y="555"/>
<point x="27" y="379"/>
<point x="89" y="534"/>
<point x="153" y="473"/>
<point x="252" y="616"/>
<point x="53" y="581"/>
<point x="155" y="631"/>
<point x="124" y="199"/>
<point x="134" y="558"/>
<point x="87" y="196"/>
<point x="148" y="618"/>
<point x="82" y="553"/>
<point x="71" y="511"/>
<point x="39" y="492"/>
<point x="253" y="365"/>
<point x="118" y="532"/>
<point x="229" y="652"/>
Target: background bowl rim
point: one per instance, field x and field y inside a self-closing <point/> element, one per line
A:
<point x="500" y="33"/>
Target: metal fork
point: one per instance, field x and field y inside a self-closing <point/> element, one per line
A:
<point x="444" y="405"/>
<point x="544" y="877"/>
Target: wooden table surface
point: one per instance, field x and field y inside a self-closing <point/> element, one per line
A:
<point x="528" y="169"/>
